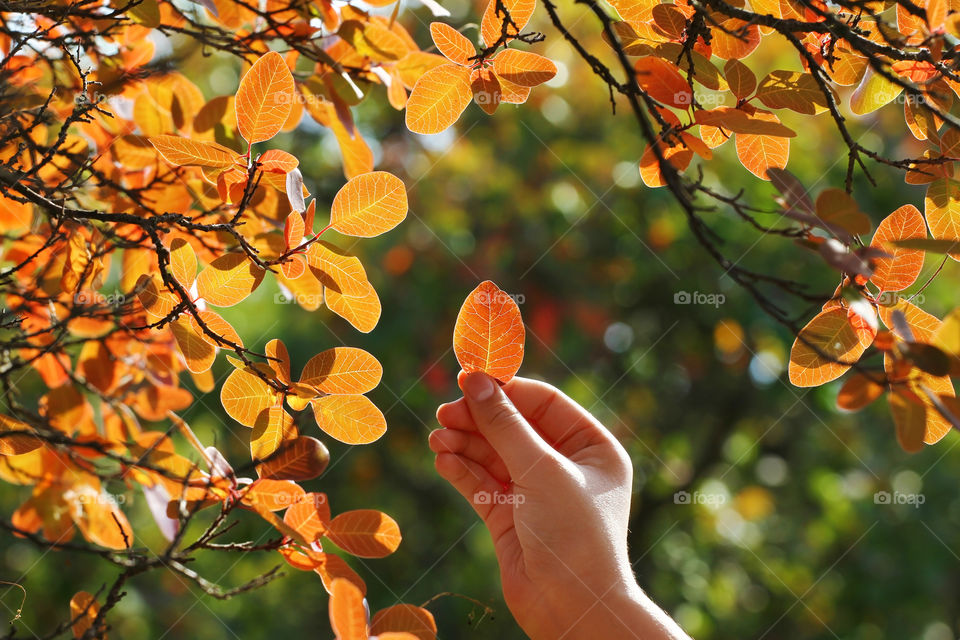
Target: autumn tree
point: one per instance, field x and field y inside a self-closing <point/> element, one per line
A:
<point x="133" y="206"/>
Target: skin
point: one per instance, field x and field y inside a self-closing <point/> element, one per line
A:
<point x="552" y="485"/>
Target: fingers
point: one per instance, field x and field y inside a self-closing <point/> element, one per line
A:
<point x="507" y="431"/>
<point x="470" y="445"/>
<point x="469" y="479"/>
<point x="564" y="423"/>
<point x="478" y="487"/>
<point x="456" y="415"/>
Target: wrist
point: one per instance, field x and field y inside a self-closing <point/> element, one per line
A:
<point x="624" y="613"/>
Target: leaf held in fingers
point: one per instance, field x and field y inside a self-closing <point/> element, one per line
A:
<point x="369" y="204"/>
<point x="365" y="533"/>
<point x="265" y="98"/>
<point x="489" y="333"/>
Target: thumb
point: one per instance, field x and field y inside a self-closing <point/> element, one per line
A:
<point x="507" y="431"/>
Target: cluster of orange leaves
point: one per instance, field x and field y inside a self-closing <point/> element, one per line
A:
<point x="159" y="137"/>
<point x="684" y="79"/>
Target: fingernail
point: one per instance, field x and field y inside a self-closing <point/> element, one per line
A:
<point x="478" y="386"/>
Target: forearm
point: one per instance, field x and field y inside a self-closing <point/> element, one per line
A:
<point x="626" y="615"/>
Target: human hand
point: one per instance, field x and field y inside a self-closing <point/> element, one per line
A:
<point x="552" y="485"/>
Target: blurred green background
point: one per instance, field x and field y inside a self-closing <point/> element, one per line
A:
<point x="781" y="536"/>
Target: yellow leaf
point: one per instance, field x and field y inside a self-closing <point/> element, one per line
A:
<point x="352" y="419"/>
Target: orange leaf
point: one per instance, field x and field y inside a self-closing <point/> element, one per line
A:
<point x="342" y="370"/>
<point x="678" y="156"/>
<point x="741" y="79"/>
<point x="942" y="211"/>
<point x="271" y="428"/>
<point x="834" y="334"/>
<point x="277" y="161"/>
<point x="663" y="81"/>
<point x="198" y="353"/>
<point x="910" y="417"/>
<point x="451" y="43"/>
<point x="83" y="611"/>
<point x="279" y="359"/>
<point x="368" y="205"/>
<point x="185" y="152"/>
<point x="272" y="494"/>
<point x="333" y="568"/>
<point x="300" y="458"/>
<point x="439" y="97"/>
<point x="157" y="302"/>
<point x="899" y="271"/>
<point x="405" y="617"/>
<point x="489" y="333"/>
<point x="492" y="25"/>
<point x="734" y="38"/>
<point x="293" y="229"/>
<point x="486" y="89"/>
<point x="12" y="443"/>
<point x="183" y="262"/>
<point x="229" y="279"/>
<point x="365" y="533"/>
<point x="348" y="616"/>
<point x="352" y="419"/>
<point x="310" y="516"/>
<point x="761" y="152"/>
<point x="265" y="98"/>
<point x="857" y="392"/>
<point x="337" y="270"/>
<point x="523" y="68"/>
<point x="362" y="311"/>
<point x="244" y="395"/>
